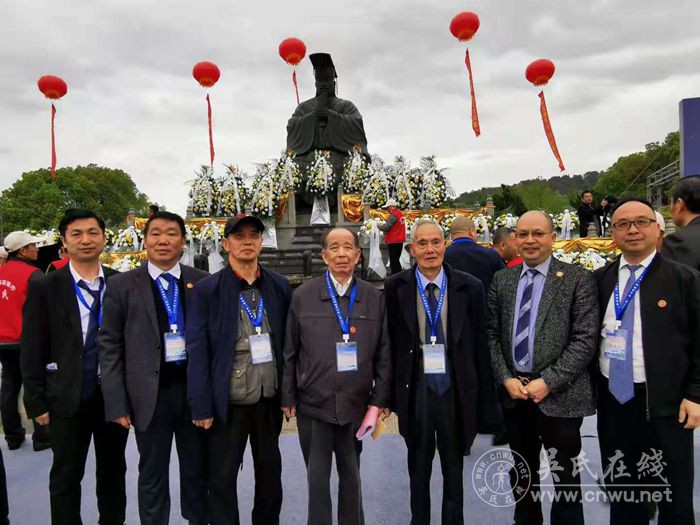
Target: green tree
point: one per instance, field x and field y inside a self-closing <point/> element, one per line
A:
<point x="36" y="202"/>
<point x="539" y="195"/>
<point x="508" y="200"/>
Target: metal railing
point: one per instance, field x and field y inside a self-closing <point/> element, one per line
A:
<point x="659" y="181"/>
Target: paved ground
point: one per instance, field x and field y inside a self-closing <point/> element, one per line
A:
<point x="385" y="485"/>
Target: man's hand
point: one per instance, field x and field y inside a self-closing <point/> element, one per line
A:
<point x="124" y="421"/>
<point x="691" y="411"/>
<point x="385" y="413"/>
<point x="537" y="389"/>
<point x="43" y="419"/>
<point x="289" y="412"/>
<point x="203" y="423"/>
<point x="515" y="388"/>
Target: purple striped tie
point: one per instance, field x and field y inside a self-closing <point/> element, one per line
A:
<point x="522" y="333"/>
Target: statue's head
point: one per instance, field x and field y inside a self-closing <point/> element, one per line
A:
<point x="324" y="73"/>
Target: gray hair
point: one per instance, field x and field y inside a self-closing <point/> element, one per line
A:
<point x="423" y="222"/>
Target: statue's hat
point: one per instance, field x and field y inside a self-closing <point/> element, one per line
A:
<point x="323" y="66"/>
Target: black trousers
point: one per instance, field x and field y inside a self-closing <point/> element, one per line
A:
<point x="172" y="417"/>
<point x="395" y="250"/>
<point x="528" y="431"/>
<point x="262" y="422"/>
<point x="625" y="428"/>
<point x="4" y="507"/>
<point x="9" y="400"/>
<point x="319" y="440"/>
<point x="436" y="423"/>
<point x="70" y="441"/>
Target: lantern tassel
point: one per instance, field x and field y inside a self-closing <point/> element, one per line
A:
<point x="296" y="87"/>
<point x="211" y="136"/>
<point x="53" y="143"/>
<point x="475" y="113"/>
<point x="548" y="130"/>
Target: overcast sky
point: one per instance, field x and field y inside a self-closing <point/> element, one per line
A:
<point x="622" y="67"/>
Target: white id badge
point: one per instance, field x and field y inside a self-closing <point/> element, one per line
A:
<point x="260" y="348"/>
<point x="434" y="359"/>
<point x="174" y="347"/>
<point x="616" y="345"/>
<point x="347" y="356"/>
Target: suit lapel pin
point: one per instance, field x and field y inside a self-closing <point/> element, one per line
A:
<point x="662" y="303"/>
<point x="560" y="274"/>
<point x="190" y="285"/>
<point x="353" y="330"/>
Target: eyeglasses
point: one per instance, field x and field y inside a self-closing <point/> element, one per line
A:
<point x="522" y="235"/>
<point x="624" y="224"/>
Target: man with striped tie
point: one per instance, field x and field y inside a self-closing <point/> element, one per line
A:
<point x="649" y="373"/>
<point x="543" y="328"/>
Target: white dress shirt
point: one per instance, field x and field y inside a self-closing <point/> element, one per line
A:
<point x="340" y="288"/>
<point x="609" y="322"/>
<point x="93" y="285"/>
<point x="156" y="272"/>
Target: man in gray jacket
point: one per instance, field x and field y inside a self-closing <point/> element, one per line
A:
<point x="337" y="363"/>
<point x="543" y="329"/>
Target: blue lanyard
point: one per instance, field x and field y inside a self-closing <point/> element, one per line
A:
<point x="620" y="308"/>
<point x="432" y="319"/>
<point x="81" y="298"/>
<point x="344" y="323"/>
<point x="255" y="320"/>
<point x="170" y="308"/>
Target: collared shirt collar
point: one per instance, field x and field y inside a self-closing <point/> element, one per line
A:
<point x="156" y="272"/>
<point x="542" y="268"/>
<point x="645" y="263"/>
<point x="341" y="288"/>
<point x="77" y="277"/>
<point x="461" y="240"/>
<point x="424" y="281"/>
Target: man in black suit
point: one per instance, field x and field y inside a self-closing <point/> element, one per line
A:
<point x="437" y="333"/>
<point x="144" y="371"/>
<point x="648" y="372"/>
<point x="62" y="316"/>
<point x="586" y="213"/>
<point x="236" y="325"/>
<point x="683" y="246"/>
<point x="466" y="255"/>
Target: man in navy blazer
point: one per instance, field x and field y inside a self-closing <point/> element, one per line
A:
<point x="235" y="334"/>
<point x="466" y="255"/>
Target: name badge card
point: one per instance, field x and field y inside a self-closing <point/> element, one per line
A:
<point x="260" y="348"/>
<point x="347" y="356"/>
<point x="434" y="359"/>
<point x="175" y="347"/>
<point x="616" y="345"/>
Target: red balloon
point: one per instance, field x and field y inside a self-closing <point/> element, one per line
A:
<point x="464" y="26"/>
<point x="292" y="51"/>
<point x="206" y="73"/>
<point x="540" y="71"/>
<point x="52" y="87"/>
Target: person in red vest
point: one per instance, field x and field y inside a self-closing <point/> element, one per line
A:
<point x="394" y="234"/>
<point x="14" y="279"/>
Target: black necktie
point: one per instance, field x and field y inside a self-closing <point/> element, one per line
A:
<point x="438" y="383"/>
<point x="90" y="360"/>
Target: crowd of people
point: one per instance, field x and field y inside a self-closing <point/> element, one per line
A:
<point x="466" y="341"/>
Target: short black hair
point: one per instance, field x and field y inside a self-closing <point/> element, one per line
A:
<point x="632" y="198"/>
<point x="324" y="237"/>
<point x="688" y="189"/>
<point x="501" y="234"/>
<point x="166" y="216"/>
<point x="586" y="191"/>
<point x="154" y="208"/>
<point x="75" y="214"/>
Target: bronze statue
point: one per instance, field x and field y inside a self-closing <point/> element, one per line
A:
<point x="326" y="122"/>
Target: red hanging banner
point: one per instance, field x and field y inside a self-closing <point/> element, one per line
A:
<point x="296" y="87"/>
<point x="53" y="143"/>
<point x="475" y="114"/>
<point x="548" y="130"/>
<point x="211" y="136"/>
